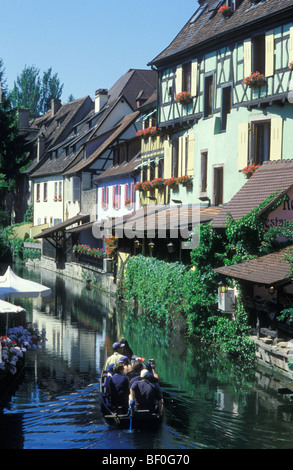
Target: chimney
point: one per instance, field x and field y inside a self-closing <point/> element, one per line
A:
<point x="23" y="118"/>
<point x="40" y="147"/>
<point x="55" y="105"/>
<point x="101" y="98"/>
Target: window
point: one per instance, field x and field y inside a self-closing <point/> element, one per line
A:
<point x="260" y="137"/>
<point x="38" y="192"/>
<point x="128" y="194"/>
<point x="55" y="191"/>
<point x="204" y="172"/>
<point x="208" y="96"/>
<point x="226" y="106"/>
<point x="258" y="54"/>
<point x="116" y="196"/>
<point x="152" y="170"/>
<point x="75" y="188"/>
<point x="45" y="191"/>
<point x="105" y="198"/>
<point x="186" y="78"/>
<point x="175" y="158"/>
<point x="218" y="186"/>
<point x="161" y="168"/>
<point x="60" y="191"/>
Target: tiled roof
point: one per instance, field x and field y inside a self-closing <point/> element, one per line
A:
<point x="211" y="26"/>
<point x="158" y="217"/>
<point x="132" y="83"/>
<point x="125" y="122"/>
<point x="119" y="170"/>
<point x="272" y="176"/>
<point x="269" y="269"/>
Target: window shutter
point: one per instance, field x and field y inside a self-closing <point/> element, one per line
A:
<point x="181" y="154"/>
<point x="247" y="57"/>
<point x="242" y="145"/>
<point x="189" y="169"/>
<point x="194" y="79"/>
<point x="113" y="195"/>
<point x="131" y="192"/>
<point x="290" y="48"/>
<point x="167" y="158"/>
<point x="119" y="196"/>
<point x="178" y="79"/>
<point x="276" y="138"/>
<point x="75" y="188"/>
<point x="270" y="54"/>
<point x="126" y="192"/>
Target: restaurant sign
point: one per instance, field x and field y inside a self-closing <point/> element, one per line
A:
<point x="282" y="215"/>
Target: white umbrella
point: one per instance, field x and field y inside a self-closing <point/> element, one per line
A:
<point x="6" y="307"/>
<point x="15" y="286"/>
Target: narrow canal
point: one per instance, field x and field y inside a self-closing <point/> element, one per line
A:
<point x="210" y="403"/>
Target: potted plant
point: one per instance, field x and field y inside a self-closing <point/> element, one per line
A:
<point x="225" y="10"/>
<point x="185" y="180"/>
<point x="171" y="182"/>
<point x="158" y="183"/>
<point x="184" y="97"/>
<point x="255" y="79"/>
<point x="249" y="170"/>
<point x="147" y="132"/>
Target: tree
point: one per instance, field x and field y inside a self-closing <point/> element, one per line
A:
<point x="33" y="93"/>
<point x="51" y="88"/>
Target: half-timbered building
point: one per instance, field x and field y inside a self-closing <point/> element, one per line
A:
<point x="224" y="95"/>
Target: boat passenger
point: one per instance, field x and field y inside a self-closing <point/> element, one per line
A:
<point x="134" y="375"/>
<point x="127" y="351"/>
<point x="146" y="395"/>
<point x="118" y="387"/>
<point x="117" y="349"/>
<point x="110" y="373"/>
<point x="127" y="366"/>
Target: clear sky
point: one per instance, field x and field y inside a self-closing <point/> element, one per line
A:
<point x="88" y="43"/>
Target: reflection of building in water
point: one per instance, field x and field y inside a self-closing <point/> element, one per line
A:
<point x="225" y="401"/>
<point x="74" y="343"/>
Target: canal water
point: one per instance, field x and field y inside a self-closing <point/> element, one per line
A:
<point x="209" y="402"/>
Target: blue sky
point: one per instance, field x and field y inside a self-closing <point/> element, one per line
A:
<point x="89" y="43"/>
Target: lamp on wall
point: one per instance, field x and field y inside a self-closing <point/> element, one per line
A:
<point x="271" y="290"/>
<point x="137" y="243"/>
<point x="205" y="199"/>
<point x="170" y="247"/>
<point x="151" y="245"/>
<point x="223" y="288"/>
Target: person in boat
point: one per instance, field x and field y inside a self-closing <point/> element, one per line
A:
<point x="117" y="354"/>
<point x="127" y="366"/>
<point x="118" y="386"/>
<point x="145" y="394"/>
<point x="127" y="351"/>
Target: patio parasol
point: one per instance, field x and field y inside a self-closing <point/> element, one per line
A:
<point x="12" y="285"/>
<point x="6" y="307"/>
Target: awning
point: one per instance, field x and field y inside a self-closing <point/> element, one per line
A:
<point x="50" y="232"/>
<point x="265" y="270"/>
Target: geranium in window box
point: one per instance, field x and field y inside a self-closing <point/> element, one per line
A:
<point x="225" y="10"/>
<point x="290" y="66"/>
<point x="104" y="205"/>
<point x="158" y="183"/>
<point x="184" y="97"/>
<point x="255" y="79"/>
<point x="128" y="203"/>
<point x="138" y="186"/>
<point x="147" y="132"/>
<point x="146" y="186"/>
<point x="249" y="170"/>
<point x="171" y="182"/>
<point x="185" y="180"/>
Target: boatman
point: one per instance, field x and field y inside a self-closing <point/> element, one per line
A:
<point x="117" y="350"/>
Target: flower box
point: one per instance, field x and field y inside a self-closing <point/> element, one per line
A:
<point x="184" y="97"/>
<point x="225" y="10"/>
<point x="185" y="180"/>
<point x="171" y="182"/>
<point x="249" y="170"/>
<point x="290" y="66"/>
<point x="255" y="79"/>
<point x="158" y="183"/>
<point x="128" y="203"/>
<point x="147" y="132"/>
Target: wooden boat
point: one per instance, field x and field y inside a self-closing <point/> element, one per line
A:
<point x="127" y="417"/>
